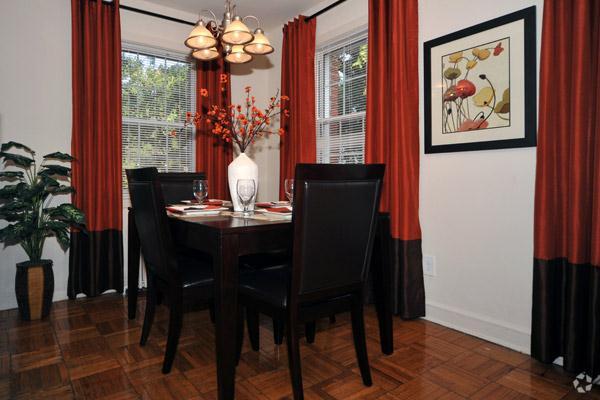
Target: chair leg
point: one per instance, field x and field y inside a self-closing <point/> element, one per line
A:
<point x="253" y="329"/>
<point x="239" y="327"/>
<point x="360" y="344"/>
<point x="278" y="330"/>
<point x="149" y="313"/>
<point x="293" y="347"/>
<point x="175" y="322"/>
<point x="310" y="330"/>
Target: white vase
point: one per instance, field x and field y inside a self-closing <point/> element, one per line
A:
<point x="242" y="167"/>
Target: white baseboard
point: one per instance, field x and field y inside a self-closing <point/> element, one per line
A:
<point x="490" y="329"/>
<point x="59" y="295"/>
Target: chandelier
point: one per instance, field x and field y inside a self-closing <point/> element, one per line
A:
<point x="238" y="44"/>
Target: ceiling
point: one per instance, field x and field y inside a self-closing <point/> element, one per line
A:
<point x="270" y="12"/>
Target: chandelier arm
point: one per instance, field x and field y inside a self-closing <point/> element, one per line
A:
<point x="252" y="17"/>
<point x="214" y="17"/>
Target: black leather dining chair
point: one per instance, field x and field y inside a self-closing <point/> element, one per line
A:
<point x="334" y="222"/>
<point x="177" y="276"/>
<point x="177" y="186"/>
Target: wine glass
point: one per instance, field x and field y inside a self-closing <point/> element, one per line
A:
<point x="200" y="190"/>
<point x="246" y="189"/>
<point x="289" y="190"/>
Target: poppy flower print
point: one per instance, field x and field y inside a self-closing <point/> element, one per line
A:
<point x="476" y="88"/>
<point x="498" y="49"/>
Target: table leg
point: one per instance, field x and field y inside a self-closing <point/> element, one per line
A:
<point x="226" y="284"/>
<point x="133" y="265"/>
<point x="383" y="284"/>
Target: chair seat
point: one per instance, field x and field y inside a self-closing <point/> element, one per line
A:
<point x="194" y="271"/>
<point x="269" y="285"/>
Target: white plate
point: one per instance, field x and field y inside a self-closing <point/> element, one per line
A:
<point x="193" y="209"/>
<point x="206" y="213"/>
<point x="278" y="214"/>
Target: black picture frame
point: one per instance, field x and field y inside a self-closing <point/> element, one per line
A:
<point x="528" y="15"/>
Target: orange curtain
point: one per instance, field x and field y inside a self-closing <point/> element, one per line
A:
<point x="96" y="256"/>
<point x="213" y="155"/>
<point x="299" y="143"/>
<point x="392" y="137"/>
<point x="566" y="282"/>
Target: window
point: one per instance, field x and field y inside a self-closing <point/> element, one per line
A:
<point x="341" y="88"/>
<point x="158" y="88"/>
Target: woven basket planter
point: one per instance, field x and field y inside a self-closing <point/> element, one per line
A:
<point x="34" y="286"/>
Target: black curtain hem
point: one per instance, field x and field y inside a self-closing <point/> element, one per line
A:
<point x="402" y="272"/>
<point x="409" y="288"/>
<point x="95" y="262"/>
<point x="566" y="314"/>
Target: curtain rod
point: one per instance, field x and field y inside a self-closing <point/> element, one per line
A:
<point x="152" y="14"/>
<point x="324" y="10"/>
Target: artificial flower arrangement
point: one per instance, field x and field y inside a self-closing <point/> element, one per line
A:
<point x="237" y="123"/>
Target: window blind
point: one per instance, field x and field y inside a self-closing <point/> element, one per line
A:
<point x="158" y="88"/>
<point x="341" y="91"/>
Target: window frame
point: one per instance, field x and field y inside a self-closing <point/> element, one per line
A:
<point x="323" y="85"/>
<point x="154" y="51"/>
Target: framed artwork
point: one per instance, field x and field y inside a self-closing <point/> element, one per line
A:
<point x="480" y="86"/>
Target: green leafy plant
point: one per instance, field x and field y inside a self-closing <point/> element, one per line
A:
<point x="26" y="199"/>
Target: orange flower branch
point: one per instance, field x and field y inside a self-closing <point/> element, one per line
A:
<point x="238" y="124"/>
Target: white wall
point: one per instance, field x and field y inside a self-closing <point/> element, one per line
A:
<point x="335" y="24"/>
<point x="35" y="105"/>
<point x="142" y="29"/>
<point x="476" y="211"/>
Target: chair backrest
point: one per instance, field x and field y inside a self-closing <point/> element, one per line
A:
<point x="177" y="186"/>
<point x="152" y="222"/>
<point x="335" y="217"/>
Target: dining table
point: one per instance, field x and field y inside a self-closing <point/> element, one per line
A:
<point x="226" y="238"/>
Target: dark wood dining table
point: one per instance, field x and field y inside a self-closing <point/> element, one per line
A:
<point x="226" y="238"/>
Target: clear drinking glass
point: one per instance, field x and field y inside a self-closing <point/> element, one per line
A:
<point x="246" y="189"/>
<point x="289" y="190"/>
<point x="200" y="190"/>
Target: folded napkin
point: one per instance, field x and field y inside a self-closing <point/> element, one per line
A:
<point x="266" y="204"/>
<point x="192" y="209"/>
<point x="211" y="202"/>
<point x="281" y="210"/>
<point x="218" y="203"/>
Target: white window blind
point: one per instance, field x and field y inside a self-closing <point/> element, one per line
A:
<point x="341" y="90"/>
<point x="158" y="88"/>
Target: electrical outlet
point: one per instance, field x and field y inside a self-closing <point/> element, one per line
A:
<point x="428" y="265"/>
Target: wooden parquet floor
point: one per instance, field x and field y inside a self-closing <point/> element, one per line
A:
<point x="87" y="349"/>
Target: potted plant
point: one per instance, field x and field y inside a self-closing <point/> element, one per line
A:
<point x="26" y="204"/>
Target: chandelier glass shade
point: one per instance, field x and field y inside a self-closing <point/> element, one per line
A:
<point x="206" y="54"/>
<point x="259" y="45"/>
<point x="200" y="38"/>
<point x="229" y="37"/>
<point x="237" y="55"/>
<point x="237" y="32"/>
